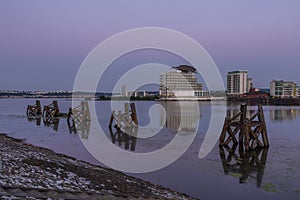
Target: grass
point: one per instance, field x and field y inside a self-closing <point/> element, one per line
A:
<point x="269" y="187"/>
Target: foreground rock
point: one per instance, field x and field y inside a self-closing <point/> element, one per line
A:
<point x="30" y="172"/>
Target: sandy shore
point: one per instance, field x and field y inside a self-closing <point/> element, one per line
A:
<point x="31" y="172"/>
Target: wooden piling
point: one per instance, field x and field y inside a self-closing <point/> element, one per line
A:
<point x="34" y="110"/>
<point x="133" y="113"/>
<point x="243" y="111"/>
<point x="56" y="109"/>
<point x="111" y="120"/>
<point x="79" y="119"/>
<point x="264" y="133"/>
<point x="223" y="133"/>
<point x="248" y="130"/>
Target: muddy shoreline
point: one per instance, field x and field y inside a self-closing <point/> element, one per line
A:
<point x="31" y="172"/>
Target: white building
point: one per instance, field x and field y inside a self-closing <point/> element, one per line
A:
<point x="283" y="89"/>
<point x="181" y="84"/>
<point x="238" y="83"/>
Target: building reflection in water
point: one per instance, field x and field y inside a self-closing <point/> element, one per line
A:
<point x="284" y="114"/>
<point x="245" y="165"/>
<point x="181" y="116"/>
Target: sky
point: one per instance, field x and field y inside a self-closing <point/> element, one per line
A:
<point x="43" y="43"/>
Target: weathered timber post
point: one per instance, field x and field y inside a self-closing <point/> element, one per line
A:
<point x="243" y="119"/>
<point x="70" y="113"/>
<point x="243" y="110"/>
<point x="38" y="106"/>
<point x="249" y="130"/>
<point x="87" y="111"/>
<point x="263" y="126"/>
<point x="51" y="110"/>
<point x="56" y="109"/>
<point x="246" y="129"/>
<point x="133" y="114"/>
<point x="223" y="133"/>
<point x="126" y="119"/>
<point x="80" y="118"/>
<point x="34" y="110"/>
<point x="111" y="120"/>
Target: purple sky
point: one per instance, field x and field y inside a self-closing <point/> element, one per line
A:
<point x="42" y="43"/>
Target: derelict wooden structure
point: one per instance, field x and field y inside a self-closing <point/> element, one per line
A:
<point x="124" y="120"/>
<point x="34" y="110"/>
<point x="79" y="119"/>
<point x="52" y="110"/>
<point x="126" y="125"/>
<point x="251" y="132"/>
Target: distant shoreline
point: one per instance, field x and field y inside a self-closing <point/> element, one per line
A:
<point x="267" y="101"/>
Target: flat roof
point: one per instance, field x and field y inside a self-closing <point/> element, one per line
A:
<point x="238" y="71"/>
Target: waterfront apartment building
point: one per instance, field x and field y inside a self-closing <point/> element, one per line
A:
<point x="181" y="84"/>
<point x="283" y="89"/>
<point x="238" y="83"/>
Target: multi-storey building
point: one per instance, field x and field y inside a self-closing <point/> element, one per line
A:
<point x="283" y="89"/>
<point x="181" y="83"/>
<point x="238" y="83"/>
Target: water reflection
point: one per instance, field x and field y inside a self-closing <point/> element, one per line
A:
<point x="127" y="137"/>
<point x="51" y="122"/>
<point x="181" y="116"/>
<point x="233" y="112"/>
<point x="80" y="127"/>
<point x="284" y="114"/>
<point x="37" y="120"/>
<point x="48" y="122"/>
<point x="245" y="165"/>
<point x="78" y="120"/>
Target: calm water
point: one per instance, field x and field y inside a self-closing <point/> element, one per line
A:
<point x="270" y="174"/>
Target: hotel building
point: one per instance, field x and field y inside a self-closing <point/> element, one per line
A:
<point x="181" y="84"/>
